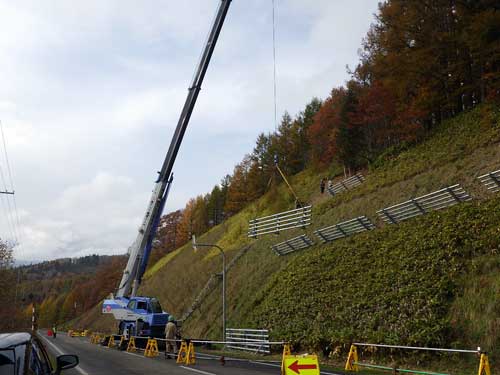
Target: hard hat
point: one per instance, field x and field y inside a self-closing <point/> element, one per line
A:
<point x="171" y="318"/>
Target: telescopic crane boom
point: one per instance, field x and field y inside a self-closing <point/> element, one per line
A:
<point x="140" y="250"/>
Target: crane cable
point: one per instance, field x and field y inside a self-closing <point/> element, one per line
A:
<point x="274" y="69"/>
<point x="275" y="97"/>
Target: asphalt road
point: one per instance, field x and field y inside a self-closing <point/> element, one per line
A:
<point x="97" y="360"/>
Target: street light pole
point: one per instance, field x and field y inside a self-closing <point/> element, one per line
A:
<point x="195" y="246"/>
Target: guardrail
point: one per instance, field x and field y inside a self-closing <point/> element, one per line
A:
<point x="437" y="200"/>
<point x="345" y="185"/>
<point x="491" y="181"/>
<point x="297" y="218"/>
<point x="249" y="340"/>
<point x="344" y="229"/>
<point x="294" y="244"/>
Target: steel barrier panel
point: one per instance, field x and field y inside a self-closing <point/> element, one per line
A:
<point x="347" y="184"/>
<point x="293" y="244"/>
<point x="434" y="201"/>
<point x="297" y="218"/>
<point x="345" y="229"/>
<point x="491" y="181"/>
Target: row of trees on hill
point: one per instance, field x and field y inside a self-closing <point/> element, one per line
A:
<point x="420" y="63"/>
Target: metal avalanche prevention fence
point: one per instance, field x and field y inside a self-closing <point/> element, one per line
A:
<point x="437" y="200"/>
<point x="345" y="229"/>
<point x="345" y="185"/>
<point x="249" y="340"/>
<point x="297" y="218"/>
<point x="293" y="244"/>
<point x="491" y="181"/>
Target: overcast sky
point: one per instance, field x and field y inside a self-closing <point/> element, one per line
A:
<point x="90" y="92"/>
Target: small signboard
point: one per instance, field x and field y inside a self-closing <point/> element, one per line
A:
<point x="301" y="365"/>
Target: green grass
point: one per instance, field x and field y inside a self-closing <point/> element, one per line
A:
<point x="161" y="263"/>
<point x="432" y="280"/>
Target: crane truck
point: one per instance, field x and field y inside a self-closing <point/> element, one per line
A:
<point x="140" y="315"/>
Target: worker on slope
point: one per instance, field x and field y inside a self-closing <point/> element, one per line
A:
<point x="170" y="335"/>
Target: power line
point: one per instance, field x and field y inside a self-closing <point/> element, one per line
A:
<point x="9" y="169"/>
<point x="14" y="217"/>
<point x="10" y="215"/>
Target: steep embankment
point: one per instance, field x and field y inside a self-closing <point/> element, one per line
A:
<point x="432" y="280"/>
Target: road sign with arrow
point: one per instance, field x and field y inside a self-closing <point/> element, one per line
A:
<point x="301" y="365"/>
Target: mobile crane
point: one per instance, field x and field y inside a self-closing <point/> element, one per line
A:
<point x="144" y="316"/>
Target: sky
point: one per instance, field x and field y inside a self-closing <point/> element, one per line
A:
<point x="91" y="91"/>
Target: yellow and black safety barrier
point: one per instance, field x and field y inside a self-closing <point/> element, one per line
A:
<point x="111" y="342"/>
<point x="286" y="351"/>
<point x="131" y="345"/>
<point x="484" y="365"/>
<point x="95" y="338"/>
<point x="353" y="364"/>
<point x="186" y="353"/>
<point x="352" y="359"/>
<point x="151" y="348"/>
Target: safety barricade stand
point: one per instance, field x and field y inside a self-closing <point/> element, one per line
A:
<point x="286" y="351"/>
<point x="111" y="342"/>
<point x="84" y="333"/>
<point x="122" y="339"/>
<point x="352" y="359"/>
<point x="131" y="345"/>
<point x="186" y="353"/>
<point x="353" y="364"/>
<point x="151" y="348"/>
<point x="306" y="364"/>
<point x="75" y="333"/>
<point x="95" y="338"/>
<point x="70" y="332"/>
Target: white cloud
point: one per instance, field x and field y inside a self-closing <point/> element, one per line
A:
<point x="98" y="85"/>
<point x="102" y="214"/>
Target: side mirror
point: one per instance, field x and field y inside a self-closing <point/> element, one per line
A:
<point x="65" y="362"/>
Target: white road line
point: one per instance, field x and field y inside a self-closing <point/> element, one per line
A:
<point x="198" y="371"/>
<point x="77" y="368"/>
<point x="265" y="364"/>
<point x="137" y="355"/>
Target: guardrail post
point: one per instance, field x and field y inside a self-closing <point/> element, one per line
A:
<point x="484" y="365"/>
<point x="352" y="359"/>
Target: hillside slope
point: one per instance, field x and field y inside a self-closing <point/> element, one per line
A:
<point x="433" y="280"/>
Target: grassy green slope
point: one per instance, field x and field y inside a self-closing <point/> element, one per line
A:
<point x="431" y="280"/>
<point x="457" y="152"/>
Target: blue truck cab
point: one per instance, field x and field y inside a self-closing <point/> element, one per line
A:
<point x="140" y="316"/>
